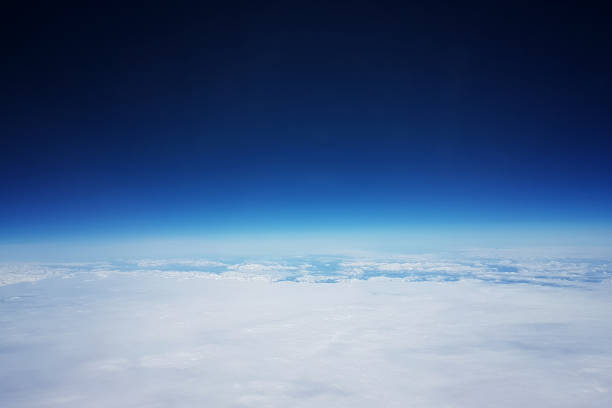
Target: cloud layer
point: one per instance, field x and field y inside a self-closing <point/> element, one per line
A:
<point x="166" y="333"/>
<point x="553" y="268"/>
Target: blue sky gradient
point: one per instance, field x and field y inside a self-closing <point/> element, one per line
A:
<point x="371" y="119"/>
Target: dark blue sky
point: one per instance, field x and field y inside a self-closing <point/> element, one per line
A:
<point x="300" y="116"/>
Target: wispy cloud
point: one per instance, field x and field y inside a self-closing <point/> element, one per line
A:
<point x="516" y="266"/>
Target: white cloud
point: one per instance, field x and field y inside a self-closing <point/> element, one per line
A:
<point x="159" y="338"/>
<point x="256" y="267"/>
<point x="11" y="274"/>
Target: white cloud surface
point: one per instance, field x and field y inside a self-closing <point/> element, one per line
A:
<point x="118" y="335"/>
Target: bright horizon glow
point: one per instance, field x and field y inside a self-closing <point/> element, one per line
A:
<point x="417" y="239"/>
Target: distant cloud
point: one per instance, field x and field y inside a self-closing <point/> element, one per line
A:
<point x="195" y="263"/>
<point x="490" y="266"/>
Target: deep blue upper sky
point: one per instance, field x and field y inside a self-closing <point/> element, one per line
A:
<point x="302" y="115"/>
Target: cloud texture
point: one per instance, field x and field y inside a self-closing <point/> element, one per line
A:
<point x="118" y="335"/>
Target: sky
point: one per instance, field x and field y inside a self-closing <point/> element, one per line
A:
<point x="473" y="124"/>
<point x="306" y="203"/>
